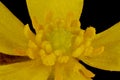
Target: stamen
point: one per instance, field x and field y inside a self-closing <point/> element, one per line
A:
<point x="69" y="18"/>
<point x="88" y="51"/>
<point x="58" y="52"/>
<point x="32" y="45"/>
<point x="36" y="25"/>
<point x="46" y="46"/>
<point x="75" y="26"/>
<point x="28" y="33"/>
<point x="76" y="67"/>
<point x="60" y="23"/>
<point x="39" y="37"/>
<point x="48" y="60"/>
<point x="78" y="51"/>
<point x="63" y="59"/>
<point x="90" y="33"/>
<point x="30" y="53"/>
<point x="87" y="42"/>
<point x="42" y="53"/>
<point x="49" y="17"/>
<point x="83" y="70"/>
<point x="86" y="72"/>
<point x="49" y="27"/>
<point x="78" y="39"/>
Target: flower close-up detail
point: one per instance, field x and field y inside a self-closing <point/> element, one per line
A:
<point x="58" y="44"/>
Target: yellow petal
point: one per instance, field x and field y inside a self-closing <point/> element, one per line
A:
<point x="67" y="72"/>
<point x="30" y="70"/>
<point x="110" y="58"/>
<point x="59" y="8"/>
<point x="11" y="32"/>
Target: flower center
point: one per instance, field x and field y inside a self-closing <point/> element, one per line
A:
<point x="58" y="42"/>
<point x="60" y="39"/>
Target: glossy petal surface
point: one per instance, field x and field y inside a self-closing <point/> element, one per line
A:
<point x="11" y="32"/>
<point x="31" y="70"/>
<point x="59" y="8"/>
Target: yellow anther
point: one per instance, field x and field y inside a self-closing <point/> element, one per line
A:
<point x="49" y="60"/>
<point x="88" y="51"/>
<point x="39" y="37"/>
<point x="42" y="53"/>
<point x="86" y="72"/>
<point x="60" y="23"/>
<point x="49" y="27"/>
<point x="75" y="24"/>
<point x="74" y="27"/>
<point x="49" y="17"/>
<point x="77" y="67"/>
<point x="32" y="45"/>
<point x="63" y="59"/>
<point x="30" y="53"/>
<point x="36" y="25"/>
<point x="80" y="68"/>
<point x="46" y="46"/>
<point x="78" y="41"/>
<point x="44" y="43"/>
<point x="87" y="42"/>
<point x="69" y="18"/>
<point x="58" y="52"/>
<point x="90" y="33"/>
<point x="28" y="33"/>
<point x="78" y="51"/>
<point x="98" y="51"/>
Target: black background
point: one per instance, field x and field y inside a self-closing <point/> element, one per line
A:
<point x="101" y="14"/>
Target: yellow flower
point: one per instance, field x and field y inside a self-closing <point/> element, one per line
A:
<point x="58" y="45"/>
